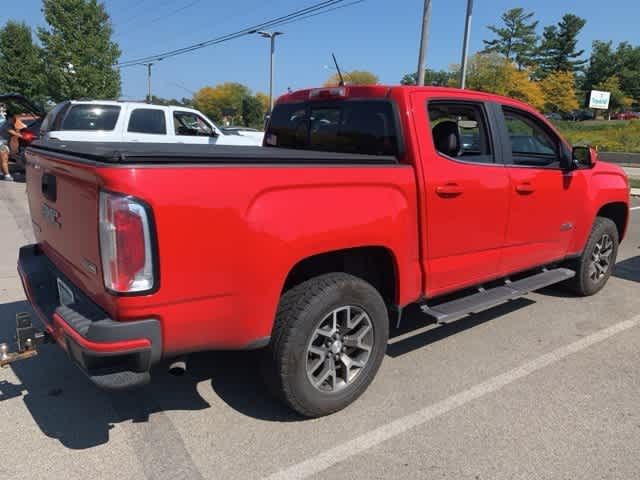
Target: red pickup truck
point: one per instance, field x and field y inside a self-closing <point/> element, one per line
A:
<point x="362" y="201"/>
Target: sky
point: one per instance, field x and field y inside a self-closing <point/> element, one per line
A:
<point x="377" y="35"/>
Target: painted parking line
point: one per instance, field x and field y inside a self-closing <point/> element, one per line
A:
<point x="634" y="208"/>
<point x="340" y="453"/>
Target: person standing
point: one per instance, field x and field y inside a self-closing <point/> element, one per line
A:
<point x="5" y="137"/>
<point x="13" y="136"/>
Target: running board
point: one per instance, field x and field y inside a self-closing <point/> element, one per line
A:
<point x="485" y="299"/>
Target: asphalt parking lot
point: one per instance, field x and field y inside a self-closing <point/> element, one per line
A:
<point x="543" y="387"/>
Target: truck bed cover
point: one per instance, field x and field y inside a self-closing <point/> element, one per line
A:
<point x="159" y="153"/>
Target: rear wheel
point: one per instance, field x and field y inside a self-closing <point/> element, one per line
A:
<point x="595" y="265"/>
<point x="328" y="342"/>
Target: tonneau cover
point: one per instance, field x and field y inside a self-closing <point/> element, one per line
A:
<point x="125" y="153"/>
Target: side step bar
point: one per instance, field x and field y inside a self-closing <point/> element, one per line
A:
<point x="485" y="299"/>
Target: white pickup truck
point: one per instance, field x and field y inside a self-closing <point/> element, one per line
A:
<point x="113" y="121"/>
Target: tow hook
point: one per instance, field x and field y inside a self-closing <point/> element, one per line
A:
<point x="27" y="340"/>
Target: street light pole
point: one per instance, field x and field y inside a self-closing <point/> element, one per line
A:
<point x="424" y="41"/>
<point x="465" y="45"/>
<point x="272" y="38"/>
<point x="148" y="65"/>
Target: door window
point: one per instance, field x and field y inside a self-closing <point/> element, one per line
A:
<point x="531" y="142"/>
<point x="147" y="120"/>
<point x="189" y="124"/>
<point x="460" y="131"/>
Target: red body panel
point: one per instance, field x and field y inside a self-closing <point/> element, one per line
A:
<point x="228" y="235"/>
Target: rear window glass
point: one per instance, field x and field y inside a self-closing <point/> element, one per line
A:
<point x="91" y="117"/>
<point x="366" y="127"/>
<point x="147" y="120"/>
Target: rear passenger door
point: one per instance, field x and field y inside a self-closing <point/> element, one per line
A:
<point x="146" y="124"/>
<point x="466" y="193"/>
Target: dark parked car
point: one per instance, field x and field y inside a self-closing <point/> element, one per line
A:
<point x="579" y="115"/>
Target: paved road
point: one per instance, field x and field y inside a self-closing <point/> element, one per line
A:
<point x="632" y="171"/>
<point x="545" y="387"/>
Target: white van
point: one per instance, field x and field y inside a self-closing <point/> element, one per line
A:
<point x="113" y="121"/>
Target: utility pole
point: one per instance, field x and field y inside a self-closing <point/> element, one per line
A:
<point x="272" y="37"/>
<point x="465" y="45"/>
<point x="149" y="97"/>
<point x="424" y="41"/>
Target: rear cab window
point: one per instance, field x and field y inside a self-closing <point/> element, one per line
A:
<point x="90" y="117"/>
<point x="343" y="126"/>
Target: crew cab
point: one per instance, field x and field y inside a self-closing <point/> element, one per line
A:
<point x="363" y="201"/>
<point x="113" y="121"/>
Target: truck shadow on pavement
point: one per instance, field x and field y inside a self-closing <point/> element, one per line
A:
<point x="628" y="269"/>
<point x="68" y="407"/>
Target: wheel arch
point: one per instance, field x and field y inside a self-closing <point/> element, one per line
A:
<point x="618" y="213"/>
<point x="376" y="265"/>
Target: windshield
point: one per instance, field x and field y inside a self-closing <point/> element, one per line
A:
<point x="351" y="126"/>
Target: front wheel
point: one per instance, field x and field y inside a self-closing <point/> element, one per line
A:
<point x="595" y="265"/>
<point x="329" y="340"/>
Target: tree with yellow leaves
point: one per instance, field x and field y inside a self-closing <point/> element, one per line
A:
<point x="493" y="73"/>
<point x="559" y="91"/>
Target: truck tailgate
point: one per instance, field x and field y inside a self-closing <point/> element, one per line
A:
<point x="63" y="201"/>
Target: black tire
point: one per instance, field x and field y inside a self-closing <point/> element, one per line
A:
<point x="301" y="311"/>
<point x="583" y="283"/>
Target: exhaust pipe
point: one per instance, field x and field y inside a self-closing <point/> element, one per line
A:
<point x="178" y="366"/>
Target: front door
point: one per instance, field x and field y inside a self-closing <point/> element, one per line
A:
<point x="544" y="199"/>
<point x="466" y="194"/>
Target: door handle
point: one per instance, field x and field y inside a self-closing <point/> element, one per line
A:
<point x="449" y="190"/>
<point x="525" y="188"/>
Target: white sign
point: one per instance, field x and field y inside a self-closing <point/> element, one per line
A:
<point x="599" y="99"/>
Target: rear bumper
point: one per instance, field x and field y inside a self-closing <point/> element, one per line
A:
<point x="113" y="354"/>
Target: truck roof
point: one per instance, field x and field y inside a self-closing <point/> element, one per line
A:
<point x="383" y="91"/>
<point x="86" y="101"/>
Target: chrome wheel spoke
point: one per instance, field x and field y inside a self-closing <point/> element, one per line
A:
<point x="339" y="348"/>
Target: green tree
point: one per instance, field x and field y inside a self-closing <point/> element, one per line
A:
<point x="559" y="92"/>
<point x="558" y="50"/>
<point x="622" y="63"/>
<point x="21" y="68"/>
<point x="431" y="77"/>
<point x="627" y="59"/>
<point x="517" y="39"/>
<point x="222" y="102"/>
<point x="601" y="64"/>
<point x="79" y="53"/>
<point x="355" y="77"/>
<point x="185" y="102"/>
<point x="253" y="112"/>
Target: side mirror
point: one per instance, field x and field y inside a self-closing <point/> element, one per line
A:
<point x="584" y="156"/>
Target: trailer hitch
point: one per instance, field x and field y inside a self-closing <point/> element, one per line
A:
<point x="27" y="340"/>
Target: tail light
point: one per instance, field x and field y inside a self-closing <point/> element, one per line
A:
<point x="28" y="136"/>
<point x="125" y="244"/>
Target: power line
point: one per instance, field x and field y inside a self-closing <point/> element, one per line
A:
<point x="322" y="13"/>
<point x="320" y="7"/>
<point x="148" y="23"/>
